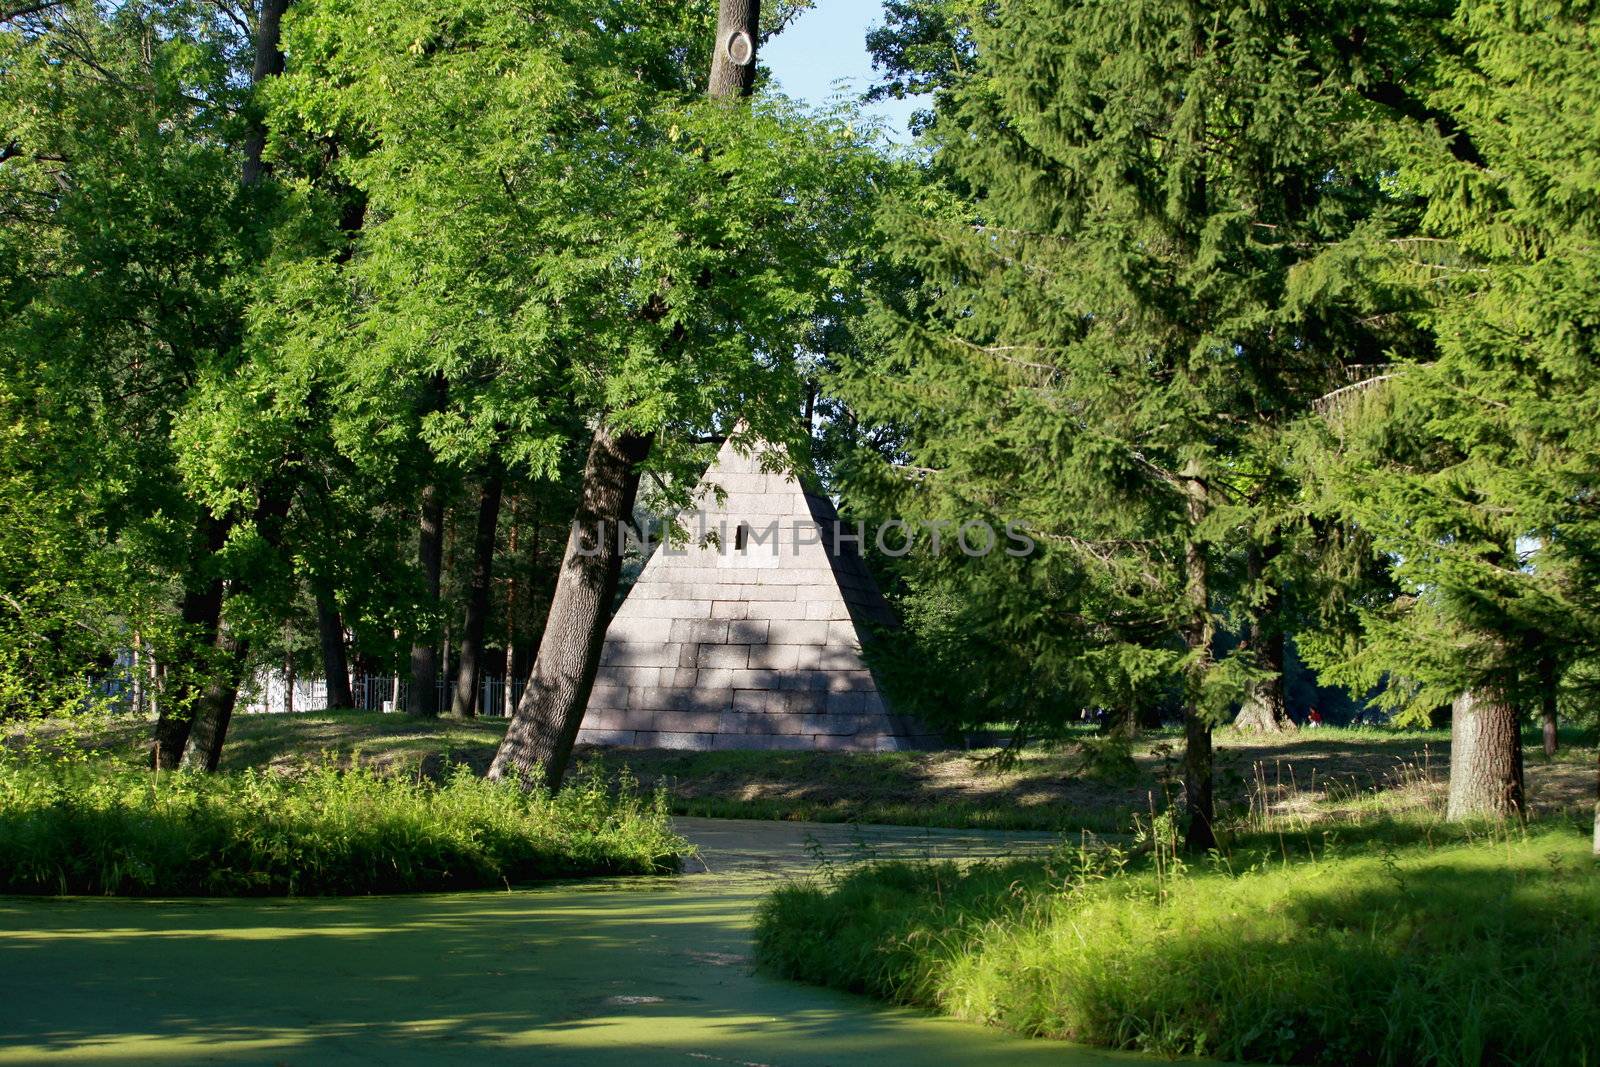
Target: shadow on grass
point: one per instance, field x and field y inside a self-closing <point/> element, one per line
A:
<point x="947" y="789"/>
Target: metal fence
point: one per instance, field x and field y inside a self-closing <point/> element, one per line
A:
<point x="269" y="693"/>
<point x="387" y="692"/>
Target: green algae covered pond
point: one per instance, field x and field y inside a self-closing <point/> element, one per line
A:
<point x="634" y="972"/>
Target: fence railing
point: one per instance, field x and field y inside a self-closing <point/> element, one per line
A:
<point x="377" y="692"/>
<point x="267" y="692"/>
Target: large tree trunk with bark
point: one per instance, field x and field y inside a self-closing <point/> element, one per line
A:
<point x="544" y="728"/>
<point x="231" y="653"/>
<point x="1264" y="709"/>
<point x="214" y="710"/>
<point x="465" y="701"/>
<point x="335" y="664"/>
<point x="733" y="60"/>
<point x="423" y="697"/>
<point x="1198" y="785"/>
<point x="1485" y="756"/>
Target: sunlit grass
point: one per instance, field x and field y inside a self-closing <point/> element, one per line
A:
<point x="1479" y="947"/>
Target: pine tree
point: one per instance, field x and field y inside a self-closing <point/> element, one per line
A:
<point x="1123" y="322"/>
<point x="1474" y="468"/>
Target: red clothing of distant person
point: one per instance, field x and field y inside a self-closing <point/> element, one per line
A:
<point x="1316" y="717"/>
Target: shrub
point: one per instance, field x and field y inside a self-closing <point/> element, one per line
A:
<point x="1479" y="952"/>
<point x="88" y="828"/>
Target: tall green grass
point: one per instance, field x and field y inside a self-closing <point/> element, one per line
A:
<point x="99" y="829"/>
<point x="1473" y="952"/>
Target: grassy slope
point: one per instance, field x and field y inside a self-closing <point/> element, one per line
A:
<point x="1314" y="773"/>
<point x="1385" y="949"/>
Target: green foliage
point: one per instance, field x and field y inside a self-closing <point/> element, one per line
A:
<point x="1469" y="953"/>
<point x="1149" y="247"/>
<point x="480" y="230"/>
<point x="551" y="227"/>
<point x="56" y="585"/>
<point x="76" y="827"/>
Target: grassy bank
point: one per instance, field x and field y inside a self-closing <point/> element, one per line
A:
<point x="1383" y="949"/>
<point x="88" y="827"/>
<point x="1316" y="775"/>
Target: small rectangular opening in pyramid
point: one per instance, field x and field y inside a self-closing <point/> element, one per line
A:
<point x="759" y="647"/>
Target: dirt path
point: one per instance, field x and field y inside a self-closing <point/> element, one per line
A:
<point x="760" y="847"/>
<point x="629" y="973"/>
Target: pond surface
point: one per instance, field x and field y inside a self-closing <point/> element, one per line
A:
<point x="636" y="972"/>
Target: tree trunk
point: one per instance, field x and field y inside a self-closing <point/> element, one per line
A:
<point x="214" y="711"/>
<point x="1485" y="757"/>
<point x="1264" y="709"/>
<point x="1597" y="807"/>
<point x="465" y="703"/>
<point x="335" y="667"/>
<point x="445" y="652"/>
<point x="136" y="676"/>
<point x="288" y="669"/>
<point x="423" y="699"/>
<point x="733" y="60"/>
<point x="1123" y="721"/>
<point x="1198" y="786"/>
<point x="268" y="62"/>
<point x="1548" y="685"/>
<point x="509" y="672"/>
<point x="543" y="729"/>
<point x="231" y="653"/>
<point x="201" y="613"/>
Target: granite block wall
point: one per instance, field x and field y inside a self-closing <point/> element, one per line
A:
<point x="748" y="638"/>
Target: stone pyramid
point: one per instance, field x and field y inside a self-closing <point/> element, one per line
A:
<point x="749" y="638"/>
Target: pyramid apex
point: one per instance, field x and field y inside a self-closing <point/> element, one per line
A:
<point x="749" y="636"/>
